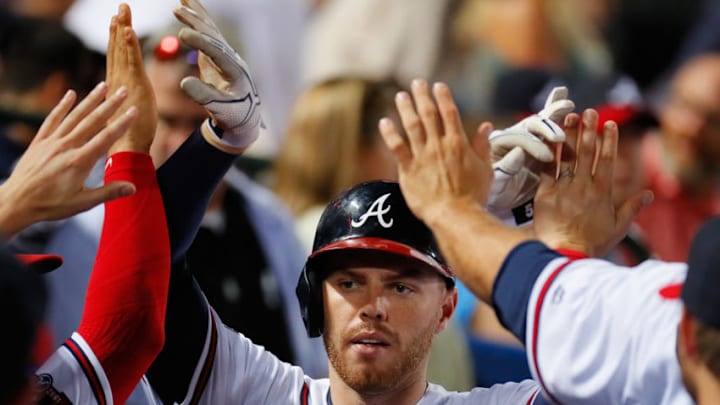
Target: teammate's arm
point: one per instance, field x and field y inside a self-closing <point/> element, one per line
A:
<point x="187" y="181"/>
<point x="125" y="305"/>
<point x="121" y="329"/>
<point x="48" y="181"/>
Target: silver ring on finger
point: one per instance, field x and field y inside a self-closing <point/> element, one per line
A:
<point x="566" y="173"/>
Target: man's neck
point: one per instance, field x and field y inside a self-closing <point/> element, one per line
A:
<point x="407" y="393"/>
<point x="708" y="388"/>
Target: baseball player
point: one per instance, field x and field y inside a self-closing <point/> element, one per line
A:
<point x="375" y="288"/>
<point x="595" y="333"/>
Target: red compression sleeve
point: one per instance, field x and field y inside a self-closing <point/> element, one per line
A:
<point x="124" y="314"/>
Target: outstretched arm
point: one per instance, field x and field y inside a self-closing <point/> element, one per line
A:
<point x="49" y="180"/>
<point x="446" y="182"/>
<point x="187" y="180"/>
<point x="124" y="312"/>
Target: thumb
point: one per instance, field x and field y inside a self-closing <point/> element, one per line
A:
<point x="94" y="196"/>
<point x="200" y="91"/>
<point x="631" y="207"/>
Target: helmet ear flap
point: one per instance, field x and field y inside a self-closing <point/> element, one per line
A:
<point x="309" y="294"/>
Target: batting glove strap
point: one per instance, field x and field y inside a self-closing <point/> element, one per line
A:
<point x="215" y="136"/>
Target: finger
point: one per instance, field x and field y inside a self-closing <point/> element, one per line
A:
<point x="51" y="122"/>
<point x="545" y="128"/>
<point x="425" y="106"/>
<point x="125" y="15"/>
<point x="605" y="163"/>
<point x="451" y="121"/>
<point x="395" y="141"/>
<point x="97" y="119"/>
<point x="86" y="106"/>
<point x="410" y="121"/>
<point x="89" y="198"/>
<point x="480" y="142"/>
<point x="627" y="211"/>
<point x="121" y="52"/>
<point x="566" y="164"/>
<point x="586" y="144"/>
<point x="557" y="93"/>
<point x="197" y="7"/>
<point x="98" y="145"/>
<point x="196" y="21"/>
<point x="201" y="92"/>
<point x="558" y="110"/>
<point x="111" y="52"/>
<point x="134" y="54"/>
<point x="218" y="51"/>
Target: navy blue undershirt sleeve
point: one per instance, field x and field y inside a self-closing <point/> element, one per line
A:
<point x="187" y="181"/>
<point x="514" y="283"/>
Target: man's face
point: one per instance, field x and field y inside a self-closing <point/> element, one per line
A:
<point x="380" y="322"/>
<point x="178" y="114"/>
<point x="629" y="176"/>
<point x="691" y="119"/>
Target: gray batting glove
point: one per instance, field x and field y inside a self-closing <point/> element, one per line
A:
<point x="227" y="90"/>
<point x="518" y="153"/>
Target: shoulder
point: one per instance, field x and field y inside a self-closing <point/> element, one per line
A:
<point x="508" y="393"/>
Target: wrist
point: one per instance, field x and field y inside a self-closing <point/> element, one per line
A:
<point x="13" y="216"/>
<point x="439" y="214"/>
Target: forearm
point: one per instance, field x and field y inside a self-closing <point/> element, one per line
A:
<point x="125" y="305"/>
<point x="12" y="216"/>
<point x="187" y="181"/>
<point x="475" y="244"/>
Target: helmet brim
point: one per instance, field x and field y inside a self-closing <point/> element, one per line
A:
<point x="387" y="246"/>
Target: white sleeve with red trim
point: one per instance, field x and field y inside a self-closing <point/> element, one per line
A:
<point x="234" y="370"/>
<point x="73" y="375"/>
<point x="598" y="333"/>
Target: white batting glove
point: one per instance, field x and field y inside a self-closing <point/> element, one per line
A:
<point x="518" y="152"/>
<point x="227" y="91"/>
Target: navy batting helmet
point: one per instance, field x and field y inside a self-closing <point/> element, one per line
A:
<point x="371" y="216"/>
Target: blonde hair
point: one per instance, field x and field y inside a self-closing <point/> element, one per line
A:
<point x="329" y="125"/>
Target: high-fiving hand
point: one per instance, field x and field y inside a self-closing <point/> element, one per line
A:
<point x="225" y="87"/>
<point x="577" y="209"/>
<point x="520" y="151"/>
<point x="437" y="165"/>
<point x="48" y="181"/>
<point x="125" y="68"/>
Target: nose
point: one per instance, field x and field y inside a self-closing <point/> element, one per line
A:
<point x="375" y="309"/>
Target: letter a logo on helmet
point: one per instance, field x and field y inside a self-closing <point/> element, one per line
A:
<point x="377" y="209"/>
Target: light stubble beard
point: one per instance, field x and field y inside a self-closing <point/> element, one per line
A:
<point x="374" y="381"/>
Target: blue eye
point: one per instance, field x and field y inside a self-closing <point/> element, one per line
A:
<point x="399" y="288"/>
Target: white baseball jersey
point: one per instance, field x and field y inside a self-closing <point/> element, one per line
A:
<point x="595" y="332"/>
<point x="73" y="375"/>
<point x="233" y="370"/>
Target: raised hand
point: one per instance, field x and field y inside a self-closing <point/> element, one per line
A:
<point x="125" y="68"/>
<point x="576" y="209"/>
<point x="225" y="87"/>
<point x="520" y="151"/>
<point x="437" y="164"/>
<point x="48" y="182"/>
